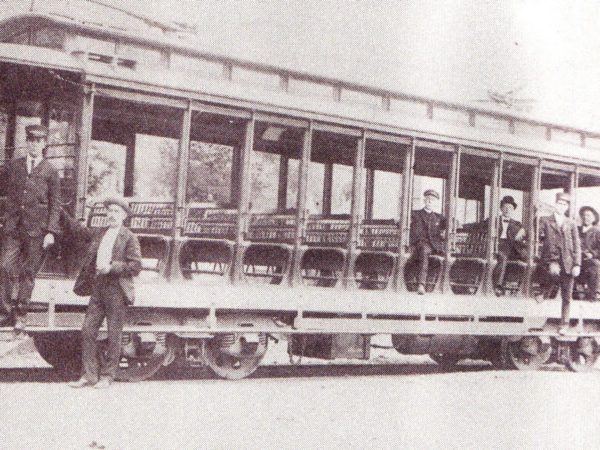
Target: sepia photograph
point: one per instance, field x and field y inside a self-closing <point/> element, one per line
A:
<point x="299" y="224"/>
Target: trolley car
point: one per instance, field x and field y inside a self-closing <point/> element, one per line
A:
<point x="275" y="202"/>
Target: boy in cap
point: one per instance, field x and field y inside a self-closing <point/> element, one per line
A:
<point x="560" y="255"/>
<point x="511" y="241"/>
<point x="589" y="234"/>
<point x="113" y="259"/>
<point x="32" y="188"/>
<point x="426" y="235"/>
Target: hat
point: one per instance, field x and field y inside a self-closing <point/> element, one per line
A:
<point x="119" y="202"/>
<point x="37" y="131"/>
<point x="594" y="212"/>
<point x="432" y="193"/>
<point x="508" y="199"/>
<point x="563" y="196"/>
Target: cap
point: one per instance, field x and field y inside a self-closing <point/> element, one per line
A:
<point x="563" y="196"/>
<point x="592" y="210"/>
<point x="432" y="193"/>
<point x="508" y="199"/>
<point x="119" y="202"/>
<point x="36" y="131"/>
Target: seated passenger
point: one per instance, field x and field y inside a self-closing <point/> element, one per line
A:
<point x="589" y="235"/>
<point x="511" y="242"/>
<point x="426" y="235"/>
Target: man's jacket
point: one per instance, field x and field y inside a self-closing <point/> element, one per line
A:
<point x="560" y="243"/>
<point x="126" y="258"/>
<point x="32" y="200"/>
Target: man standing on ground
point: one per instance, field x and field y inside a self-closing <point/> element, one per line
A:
<point x="426" y="236"/>
<point x="589" y="235"/>
<point x="560" y="256"/>
<point x="32" y="188"/>
<point x="113" y="259"/>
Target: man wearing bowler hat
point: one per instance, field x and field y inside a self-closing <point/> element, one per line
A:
<point x="112" y="260"/>
<point x="511" y="241"/>
<point x="32" y="188"/>
<point x="589" y="235"/>
<point x="426" y="235"/>
<point x="560" y="255"/>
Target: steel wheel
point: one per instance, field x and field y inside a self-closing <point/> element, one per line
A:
<point x="228" y="366"/>
<point x="445" y="360"/>
<point x="583" y="355"/>
<point x="528" y="353"/>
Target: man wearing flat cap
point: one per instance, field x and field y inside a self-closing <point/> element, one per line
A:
<point x="32" y="188"/>
<point x="112" y="261"/>
<point x="511" y="241"/>
<point x="426" y="236"/>
<point x="560" y="255"/>
<point x="589" y="234"/>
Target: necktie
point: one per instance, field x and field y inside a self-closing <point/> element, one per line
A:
<point x="32" y="166"/>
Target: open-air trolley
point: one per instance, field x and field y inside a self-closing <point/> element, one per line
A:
<point x="274" y="202"/>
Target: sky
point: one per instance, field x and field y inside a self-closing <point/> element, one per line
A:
<point x="454" y="49"/>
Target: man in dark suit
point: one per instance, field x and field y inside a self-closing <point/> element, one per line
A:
<point x="560" y="255"/>
<point x="589" y="234"/>
<point x="511" y="242"/>
<point x="32" y="188"/>
<point x="113" y="259"/>
<point x="426" y="236"/>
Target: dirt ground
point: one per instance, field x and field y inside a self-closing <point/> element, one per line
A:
<point x="402" y="402"/>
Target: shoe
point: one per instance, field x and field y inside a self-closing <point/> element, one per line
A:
<point x="20" y="324"/>
<point x="499" y="291"/>
<point x="421" y="289"/>
<point x="539" y="298"/>
<point x="563" y="330"/>
<point x="81" y="383"/>
<point x="103" y="383"/>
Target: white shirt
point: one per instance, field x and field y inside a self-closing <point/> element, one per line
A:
<point x="560" y="219"/>
<point x="37" y="161"/>
<point x="504" y="227"/>
<point x="104" y="256"/>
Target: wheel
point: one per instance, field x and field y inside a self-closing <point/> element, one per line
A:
<point x="582" y="355"/>
<point x="141" y="360"/>
<point x="445" y="360"/>
<point x="62" y="350"/>
<point x="227" y="365"/>
<point x="528" y="353"/>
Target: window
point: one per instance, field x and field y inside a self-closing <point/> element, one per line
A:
<point x="209" y="173"/>
<point x="106" y="169"/>
<point x="134" y="150"/>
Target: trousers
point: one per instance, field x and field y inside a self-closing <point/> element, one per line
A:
<point x="590" y="274"/>
<point x="565" y="282"/>
<point x="107" y="301"/>
<point x="422" y="254"/>
<point x="20" y="260"/>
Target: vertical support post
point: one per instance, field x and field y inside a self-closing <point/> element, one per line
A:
<point x="573" y="185"/>
<point x="405" y="215"/>
<point x="173" y="269"/>
<point x="327" y="189"/>
<point x="369" y="193"/>
<point x="453" y="183"/>
<point x="532" y="228"/>
<point x="11" y="130"/>
<point x="356" y="209"/>
<point x="295" y="277"/>
<point x="492" y="238"/>
<point x="237" y="269"/>
<point x="282" y="184"/>
<point x="81" y="156"/>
